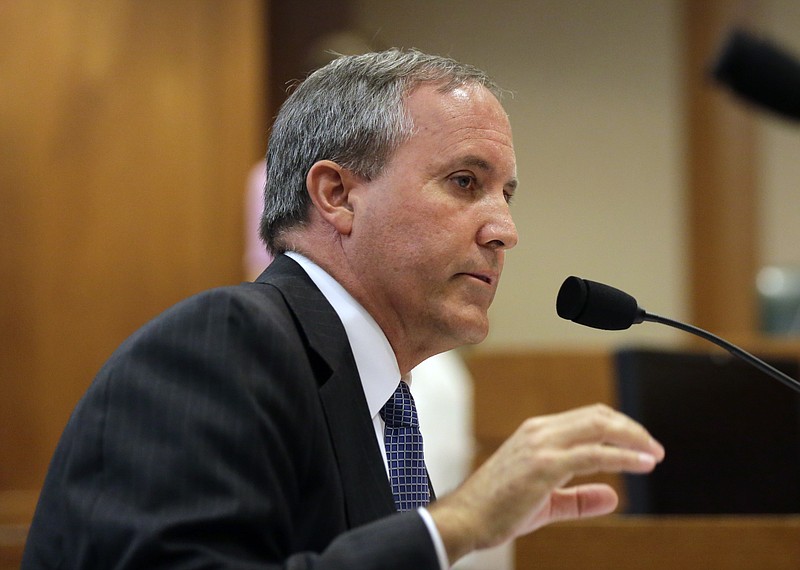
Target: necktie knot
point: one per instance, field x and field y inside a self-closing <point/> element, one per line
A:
<point x="399" y="410"/>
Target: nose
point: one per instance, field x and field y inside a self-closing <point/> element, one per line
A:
<point x="498" y="230"/>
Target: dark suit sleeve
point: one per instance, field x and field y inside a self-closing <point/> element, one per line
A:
<point x="202" y="444"/>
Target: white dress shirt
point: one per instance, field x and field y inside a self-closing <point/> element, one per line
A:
<point x="376" y="363"/>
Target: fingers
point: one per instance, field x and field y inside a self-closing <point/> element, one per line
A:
<point x="584" y="428"/>
<point x="561" y="465"/>
<point x="586" y="440"/>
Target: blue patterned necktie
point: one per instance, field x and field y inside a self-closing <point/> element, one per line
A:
<point x="403" y="439"/>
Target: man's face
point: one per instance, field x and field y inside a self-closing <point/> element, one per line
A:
<point x="430" y="233"/>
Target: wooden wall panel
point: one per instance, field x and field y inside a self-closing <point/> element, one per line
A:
<point x="127" y="129"/>
<point x="664" y="543"/>
<point x="722" y="176"/>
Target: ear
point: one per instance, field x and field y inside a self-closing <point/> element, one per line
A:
<point x="329" y="186"/>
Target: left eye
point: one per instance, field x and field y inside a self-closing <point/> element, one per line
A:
<point x="464" y="181"/>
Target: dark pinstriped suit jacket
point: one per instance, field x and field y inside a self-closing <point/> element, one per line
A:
<point x="229" y="432"/>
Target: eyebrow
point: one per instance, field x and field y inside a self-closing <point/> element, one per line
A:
<point x="478" y="162"/>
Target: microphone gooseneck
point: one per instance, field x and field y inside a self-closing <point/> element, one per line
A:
<point x="604" y="307"/>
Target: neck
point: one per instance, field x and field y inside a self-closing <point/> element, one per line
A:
<point x="410" y="347"/>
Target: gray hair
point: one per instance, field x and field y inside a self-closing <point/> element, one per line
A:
<point x="352" y="112"/>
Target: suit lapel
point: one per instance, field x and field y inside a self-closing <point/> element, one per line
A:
<point x="366" y="489"/>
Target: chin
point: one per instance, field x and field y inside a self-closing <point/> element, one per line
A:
<point x="461" y="325"/>
<point x="477" y="338"/>
<point x="473" y="331"/>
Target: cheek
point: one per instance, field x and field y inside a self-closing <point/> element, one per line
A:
<point x="426" y="246"/>
<point x="416" y="235"/>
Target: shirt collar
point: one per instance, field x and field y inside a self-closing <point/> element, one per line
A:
<point x="375" y="359"/>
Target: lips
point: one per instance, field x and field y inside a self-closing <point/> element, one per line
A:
<point x="488" y="279"/>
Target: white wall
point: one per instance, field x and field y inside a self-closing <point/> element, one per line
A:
<point x="598" y="130"/>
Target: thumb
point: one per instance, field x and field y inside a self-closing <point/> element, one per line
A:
<point x="582" y="501"/>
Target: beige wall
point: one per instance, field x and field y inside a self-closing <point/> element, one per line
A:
<point x="598" y="130"/>
<point x="780" y="215"/>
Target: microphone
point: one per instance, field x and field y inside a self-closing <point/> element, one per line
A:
<point x="760" y="72"/>
<point x="604" y="307"/>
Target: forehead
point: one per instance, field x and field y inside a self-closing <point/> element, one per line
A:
<point x="429" y="107"/>
<point x="467" y="118"/>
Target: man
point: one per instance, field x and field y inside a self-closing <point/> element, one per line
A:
<point x="243" y="427"/>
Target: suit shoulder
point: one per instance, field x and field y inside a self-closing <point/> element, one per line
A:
<point x="231" y="308"/>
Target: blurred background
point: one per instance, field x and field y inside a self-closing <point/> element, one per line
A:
<point x="128" y="130"/>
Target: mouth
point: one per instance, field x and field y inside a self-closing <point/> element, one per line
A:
<point x="488" y="279"/>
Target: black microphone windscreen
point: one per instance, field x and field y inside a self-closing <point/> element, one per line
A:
<point x="596" y="305"/>
<point x="761" y="73"/>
